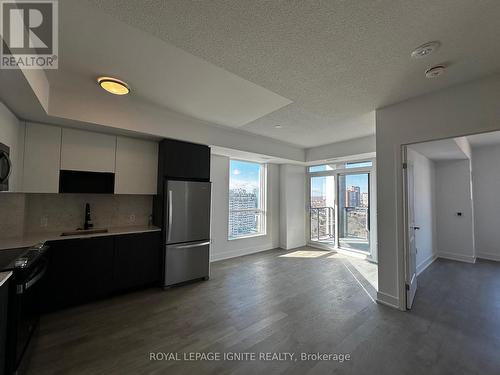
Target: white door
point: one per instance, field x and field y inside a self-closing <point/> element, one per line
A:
<point x="411" y="264"/>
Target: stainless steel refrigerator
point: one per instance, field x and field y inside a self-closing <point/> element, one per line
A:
<point x="187" y="231"/>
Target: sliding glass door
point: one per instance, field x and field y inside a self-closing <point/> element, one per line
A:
<point x="339" y="210"/>
<point x="322" y="209"/>
<point x="354" y="211"/>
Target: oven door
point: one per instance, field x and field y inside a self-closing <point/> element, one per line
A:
<point x="5" y="167"/>
<point x="26" y="312"/>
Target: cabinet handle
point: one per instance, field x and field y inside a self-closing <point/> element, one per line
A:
<point x="169" y="214"/>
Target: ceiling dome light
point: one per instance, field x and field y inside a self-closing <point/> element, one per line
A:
<point x="425" y="49"/>
<point x="435" y="71"/>
<point x="113" y="85"/>
<point x="278" y="126"/>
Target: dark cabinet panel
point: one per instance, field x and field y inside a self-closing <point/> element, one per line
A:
<point x="4" y="299"/>
<point x="84" y="270"/>
<point x="137" y="260"/>
<point x="184" y="160"/>
<point x="179" y="161"/>
<point x="80" y="271"/>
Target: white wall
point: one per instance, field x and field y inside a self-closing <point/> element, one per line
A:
<point x="425" y="211"/>
<point x="139" y="116"/>
<point x="455" y="235"/>
<point x="292" y="206"/>
<point x="223" y="248"/>
<point x="12" y="135"/>
<point x="357" y="146"/>
<point x="459" y="110"/>
<point x="486" y="182"/>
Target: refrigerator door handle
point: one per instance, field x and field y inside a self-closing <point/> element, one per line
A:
<point x="188" y="246"/>
<point x="170" y="201"/>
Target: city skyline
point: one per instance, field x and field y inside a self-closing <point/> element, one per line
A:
<point x="318" y="187"/>
<point x="244" y="189"/>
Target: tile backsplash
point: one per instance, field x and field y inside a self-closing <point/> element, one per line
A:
<point x="12" y="208"/>
<point x="35" y="213"/>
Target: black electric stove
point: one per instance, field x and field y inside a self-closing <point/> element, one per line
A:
<point x="29" y="266"/>
<point x="8" y="258"/>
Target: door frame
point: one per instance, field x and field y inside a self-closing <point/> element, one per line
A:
<point x="372" y="171"/>
<point x="408" y="275"/>
<point x="369" y="211"/>
<point x="309" y="242"/>
<point x="406" y="228"/>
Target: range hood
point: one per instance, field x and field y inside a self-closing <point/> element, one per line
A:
<point x="86" y="182"/>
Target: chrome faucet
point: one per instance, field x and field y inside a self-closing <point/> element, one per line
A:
<point x="88" y="220"/>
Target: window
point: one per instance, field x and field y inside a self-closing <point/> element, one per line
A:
<point x="359" y="164"/>
<point x="247" y="199"/>
<point x="322" y="168"/>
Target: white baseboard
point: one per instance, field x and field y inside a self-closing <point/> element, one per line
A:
<point x="457" y="257"/>
<point x="239" y="252"/>
<point x="388" y="300"/>
<point x="488" y="256"/>
<point x="426" y="263"/>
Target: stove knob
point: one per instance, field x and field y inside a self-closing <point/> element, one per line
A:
<point x="21" y="262"/>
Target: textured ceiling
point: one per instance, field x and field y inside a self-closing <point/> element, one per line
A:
<point x="157" y="71"/>
<point x="336" y="60"/>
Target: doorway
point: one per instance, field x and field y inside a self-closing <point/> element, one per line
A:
<point x="354" y="211"/>
<point x="322" y="215"/>
<point x="340" y="207"/>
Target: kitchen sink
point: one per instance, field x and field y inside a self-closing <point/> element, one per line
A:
<point x="80" y="232"/>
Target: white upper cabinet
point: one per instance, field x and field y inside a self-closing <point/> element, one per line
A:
<point x="42" y="158"/>
<point x="87" y="151"/>
<point x="136" y="166"/>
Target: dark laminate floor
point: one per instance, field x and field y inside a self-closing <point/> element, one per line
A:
<point x="269" y="303"/>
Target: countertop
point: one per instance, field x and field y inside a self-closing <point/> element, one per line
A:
<point x="4" y="276"/>
<point x="31" y="239"/>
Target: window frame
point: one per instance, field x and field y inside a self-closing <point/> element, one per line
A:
<point x="262" y="201"/>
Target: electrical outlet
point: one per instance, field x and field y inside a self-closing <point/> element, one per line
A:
<point x="44" y="221"/>
<point x="131" y="218"/>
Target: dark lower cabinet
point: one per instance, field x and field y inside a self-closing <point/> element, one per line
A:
<point x="137" y="261"/>
<point x="88" y="269"/>
<point x="80" y="270"/>
<point x="4" y="302"/>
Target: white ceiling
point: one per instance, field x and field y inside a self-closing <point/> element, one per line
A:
<point x="336" y="60"/>
<point x="445" y="149"/>
<point x="318" y="69"/>
<point x="157" y="71"/>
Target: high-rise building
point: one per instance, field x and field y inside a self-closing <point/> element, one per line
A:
<point x="353" y="196"/>
<point x="242" y="217"/>
<point x="364" y="199"/>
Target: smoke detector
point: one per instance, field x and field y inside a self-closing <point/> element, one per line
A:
<point x="425" y="49"/>
<point x="435" y="71"/>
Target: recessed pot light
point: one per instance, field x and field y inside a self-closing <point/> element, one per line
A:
<point x="113" y="85"/>
<point x="425" y="49"/>
<point x="435" y="71"/>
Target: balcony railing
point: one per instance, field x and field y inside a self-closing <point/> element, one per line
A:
<point x="356" y="223"/>
<point x="322" y="223"/>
